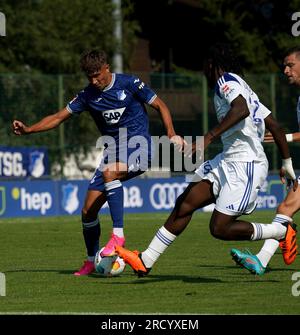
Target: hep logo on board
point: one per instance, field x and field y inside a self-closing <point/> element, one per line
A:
<point x="32" y="201"/>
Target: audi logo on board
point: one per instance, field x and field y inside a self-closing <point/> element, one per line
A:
<point x="163" y="196"/>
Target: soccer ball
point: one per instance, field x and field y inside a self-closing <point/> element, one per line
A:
<point x="109" y="266"/>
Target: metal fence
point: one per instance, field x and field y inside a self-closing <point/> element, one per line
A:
<point x="30" y="97"/>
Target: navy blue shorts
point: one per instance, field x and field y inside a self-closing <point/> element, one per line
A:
<point x="138" y="161"/>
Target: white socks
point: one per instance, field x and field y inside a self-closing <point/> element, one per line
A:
<point x="270" y="246"/>
<point x="274" y="230"/>
<point x="118" y="231"/>
<point x="267" y="251"/>
<point x="158" y="245"/>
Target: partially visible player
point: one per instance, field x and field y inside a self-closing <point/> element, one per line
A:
<point x="116" y="102"/>
<point x="233" y="178"/>
<point x="291" y="204"/>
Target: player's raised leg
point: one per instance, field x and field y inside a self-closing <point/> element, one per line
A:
<point x="91" y="229"/>
<point x="285" y="211"/>
<point x="196" y="195"/>
<point x="227" y="227"/>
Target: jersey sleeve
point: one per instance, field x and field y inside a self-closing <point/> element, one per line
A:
<point x="264" y="110"/>
<point x="142" y="91"/>
<point x="228" y="88"/>
<point x="78" y="104"/>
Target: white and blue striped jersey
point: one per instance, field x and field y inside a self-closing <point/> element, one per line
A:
<point x="242" y="142"/>
<point x="119" y="105"/>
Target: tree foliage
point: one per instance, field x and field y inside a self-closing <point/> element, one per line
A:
<point x="49" y="35"/>
<point x="45" y="38"/>
<point x="260" y="29"/>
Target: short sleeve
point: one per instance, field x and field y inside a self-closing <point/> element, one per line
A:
<point x="228" y="88"/>
<point x="142" y="91"/>
<point x="77" y="105"/>
<point x="264" y="110"/>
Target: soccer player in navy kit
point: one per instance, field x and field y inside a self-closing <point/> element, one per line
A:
<point x="116" y="102"/>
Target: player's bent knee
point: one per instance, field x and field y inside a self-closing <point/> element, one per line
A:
<point x="87" y="215"/>
<point x="218" y="231"/>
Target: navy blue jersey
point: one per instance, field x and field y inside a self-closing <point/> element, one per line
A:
<point x="119" y="105"/>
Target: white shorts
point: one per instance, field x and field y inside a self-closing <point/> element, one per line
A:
<point x="235" y="184"/>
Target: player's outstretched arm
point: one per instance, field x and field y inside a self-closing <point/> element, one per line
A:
<point x="47" y="123"/>
<point x="166" y="118"/>
<point x="291" y="137"/>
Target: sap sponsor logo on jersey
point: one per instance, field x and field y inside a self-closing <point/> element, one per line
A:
<point x="113" y="116"/>
<point x="36" y="201"/>
<point x="11" y="164"/>
<point x="70" y="202"/>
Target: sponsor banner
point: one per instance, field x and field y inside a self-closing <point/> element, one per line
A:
<point x="23" y="162"/>
<point x="48" y="198"/>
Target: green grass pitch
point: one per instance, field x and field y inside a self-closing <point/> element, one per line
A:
<point x="196" y="275"/>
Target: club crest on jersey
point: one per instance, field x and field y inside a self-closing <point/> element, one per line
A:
<point x="113" y="116"/>
<point x="121" y="95"/>
<point x="225" y="88"/>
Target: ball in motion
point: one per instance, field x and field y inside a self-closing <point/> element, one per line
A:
<point x="109" y="266"/>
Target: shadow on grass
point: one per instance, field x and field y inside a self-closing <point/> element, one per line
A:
<point x="269" y="269"/>
<point x="152" y="278"/>
<point x="186" y="279"/>
<point x="149" y="279"/>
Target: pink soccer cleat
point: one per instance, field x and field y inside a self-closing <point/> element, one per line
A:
<point x="109" y="249"/>
<point x="87" y="268"/>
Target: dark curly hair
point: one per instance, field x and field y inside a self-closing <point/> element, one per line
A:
<point x="91" y="61"/>
<point x="221" y="57"/>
